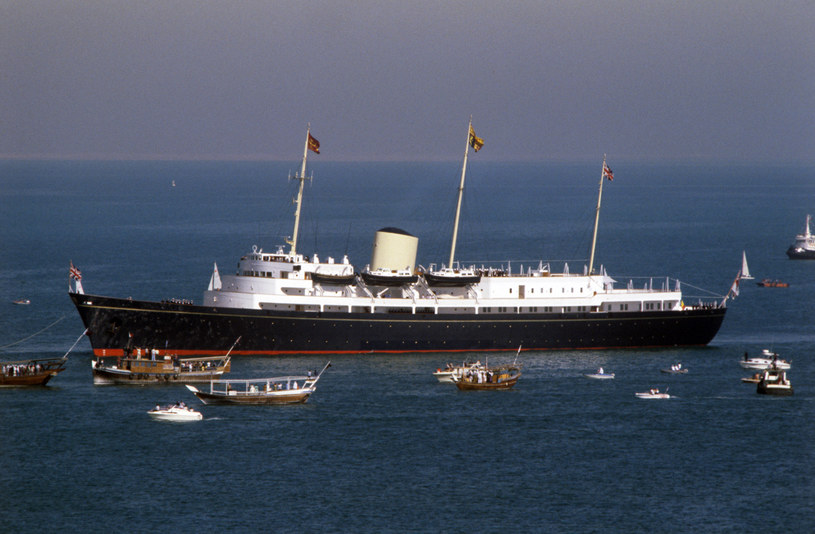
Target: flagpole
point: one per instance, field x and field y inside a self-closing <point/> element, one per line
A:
<point x="460" y="194"/>
<point x="299" y="199"/>
<point x="597" y="216"/>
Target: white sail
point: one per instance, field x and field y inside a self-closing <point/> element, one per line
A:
<point x="745" y="271"/>
<point x="215" y="281"/>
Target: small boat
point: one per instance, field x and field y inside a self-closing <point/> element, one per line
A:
<point x="448" y="277"/>
<point x="448" y="373"/>
<point x="767" y="282"/>
<point x="22" y="302"/>
<point x="675" y="369"/>
<point x="774" y="383"/>
<point x="745" y="271"/>
<point x="149" y="367"/>
<point x="335" y="279"/>
<point x="278" y="390"/>
<point x="175" y="412"/>
<point x="653" y="394"/>
<point x="498" y="377"/>
<point x="30" y="372"/>
<point x="389" y="277"/>
<point x="804" y="246"/>
<point x="600" y="375"/>
<point x="753" y="379"/>
<point x="768" y="359"/>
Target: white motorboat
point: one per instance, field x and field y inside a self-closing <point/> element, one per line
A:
<point x="774" y="383"/>
<point x="767" y="360"/>
<point x="175" y="412"/>
<point x="452" y="372"/>
<point x="599" y="375"/>
<point x="654" y="393"/>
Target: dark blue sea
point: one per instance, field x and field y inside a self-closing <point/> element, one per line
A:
<point x="381" y="446"/>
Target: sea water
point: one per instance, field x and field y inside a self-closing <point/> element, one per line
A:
<point x="381" y="446"/>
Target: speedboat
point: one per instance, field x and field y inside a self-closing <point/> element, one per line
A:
<point x="753" y="379"/>
<point x="652" y="394"/>
<point x="675" y="369"/>
<point x="175" y="412"/>
<point x="599" y="375"/>
<point x="22" y="302"/>
<point x="768" y="359"/>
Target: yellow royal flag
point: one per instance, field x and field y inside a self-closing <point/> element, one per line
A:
<point x="475" y="141"/>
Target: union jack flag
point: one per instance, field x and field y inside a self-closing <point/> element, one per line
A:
<point x="607" y="173"/>
<point x="74" y="272"/>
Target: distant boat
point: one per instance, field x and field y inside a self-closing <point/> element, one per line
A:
<point x="30" y="372"/>
<point x="753" y="379"/>
<point x="767" y="282"/>
<point x="767" y="360"/>
<point x="774" y="383"/>
<point x="600" y="375"/>
<point x="451" y="372"/>
<point x="178" y="412"/>
<point x="653" y="394"/>
<point x="173" y="183"/>
<point x="804" y="246"/>
<point x="149" y="366"/>
<point x="499" y="377"/>
<point x="22" y="302"/>
<point x="745" y="271"/>
<point x="675" y="369"/>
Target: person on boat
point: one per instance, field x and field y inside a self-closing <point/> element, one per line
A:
<point x="600" y="371"/>
<point x="745" y="355"/>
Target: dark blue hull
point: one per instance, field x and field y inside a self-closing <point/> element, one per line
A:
<point x="113" y="323"/>
<point x="800" y="254"/>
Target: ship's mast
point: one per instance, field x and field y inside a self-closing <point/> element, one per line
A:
<point x="299" y="200"/>
<point x="597" y="216"/>
<point x="460" y="194"/>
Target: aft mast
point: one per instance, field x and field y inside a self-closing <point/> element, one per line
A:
<point x="314" y="145"/>
<point x="605" y="173"/>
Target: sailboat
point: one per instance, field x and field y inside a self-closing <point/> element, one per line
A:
<point x="450" y="276"/>
<point x="745" y="271"/>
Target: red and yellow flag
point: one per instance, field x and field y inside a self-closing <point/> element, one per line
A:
<point x="313" y="144"/>
<point x="475" y="141"/>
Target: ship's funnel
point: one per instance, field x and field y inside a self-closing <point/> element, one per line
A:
<point x="394" y="249"/>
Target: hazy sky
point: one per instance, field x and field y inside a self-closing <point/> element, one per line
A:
<point x="398" y="80"/>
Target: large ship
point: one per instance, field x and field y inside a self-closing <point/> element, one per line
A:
<point x="283" y="302"/>
<point x="804" y="246"/>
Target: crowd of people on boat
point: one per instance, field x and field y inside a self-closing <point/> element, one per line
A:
<point x="480" y="376"/>
<point x="21" y="369"/>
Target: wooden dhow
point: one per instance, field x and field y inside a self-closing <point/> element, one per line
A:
<point x="150" y="367"/>
<point x="276" y="390"/>
<point x="487" y="378"/>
